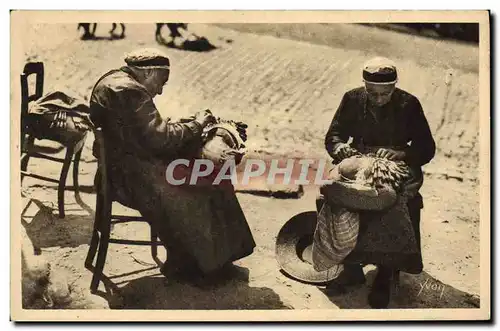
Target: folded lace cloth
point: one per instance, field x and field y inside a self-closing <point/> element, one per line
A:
<point x="58" y="116"/>
<point x="365" y="218"/>
<point x="221" y="142"/>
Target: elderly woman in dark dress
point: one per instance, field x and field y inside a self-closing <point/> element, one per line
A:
<point x="390" y="122"/>
<point x="202" y="227"/>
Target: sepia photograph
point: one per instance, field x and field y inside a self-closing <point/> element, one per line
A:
<point x="250" y="166"/>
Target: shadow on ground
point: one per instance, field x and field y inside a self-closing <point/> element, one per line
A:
<point x="102" y="38"/>
<point x="200" y="44"/>
<point x="46" y="229"/>
<point x="415" y="291"/>
<point x="156" y="292"/>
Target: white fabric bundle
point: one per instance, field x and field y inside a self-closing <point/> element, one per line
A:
<point x="222" y="142"/>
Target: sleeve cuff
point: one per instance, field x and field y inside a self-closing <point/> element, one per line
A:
<point x="195" y="128"/>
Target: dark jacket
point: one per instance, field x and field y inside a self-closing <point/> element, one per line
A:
<point x="132" y="124"/>
<point x="402" y="126"/>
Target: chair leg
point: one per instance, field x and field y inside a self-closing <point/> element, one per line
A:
<point x="105" y="227"/>
<point x="25" y="159"/>
<point x="76" y="163"/>
<point x="94" y="242"/>
<point x="62" y="181"/>
<point x="154" y="245"/>
<point x="101" y="260"/>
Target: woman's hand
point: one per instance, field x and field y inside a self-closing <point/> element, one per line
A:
<point x="390" y="154"/>
<point x="344" y="151"/>
<point x="242" y="130"/>
<point x="205" y="117"/>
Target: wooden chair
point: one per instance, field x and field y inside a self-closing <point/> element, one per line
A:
<point x="104" y="219"/>
<point x="28" y="147"/>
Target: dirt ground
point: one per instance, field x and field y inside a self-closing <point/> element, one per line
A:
<point x="287" y="90"/>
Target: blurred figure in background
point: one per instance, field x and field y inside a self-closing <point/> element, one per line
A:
<point x="89" y="30"/>
<point x="113" y="28"/>
<point x="175" y="33"/>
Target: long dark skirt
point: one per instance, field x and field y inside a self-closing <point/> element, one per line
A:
<point x="366" y="252"/>
<point x="371" y="247"/>
<point x="206" y="222"/>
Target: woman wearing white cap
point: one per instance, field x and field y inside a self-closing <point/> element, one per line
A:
<point x="390" y="122"/>
<point x="203" y="227"/>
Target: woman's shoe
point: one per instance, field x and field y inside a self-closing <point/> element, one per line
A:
<point x="380" y="293"/>
<point x="180" y="267"/>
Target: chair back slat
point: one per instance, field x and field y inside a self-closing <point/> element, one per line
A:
<point x="31" y="68"/>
